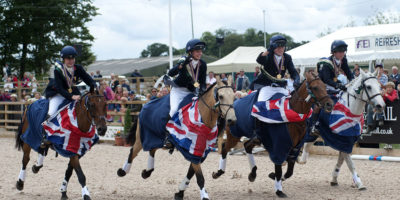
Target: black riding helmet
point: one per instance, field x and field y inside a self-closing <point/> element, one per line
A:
<point x="195" y="44"/>
<point x="338" y="46"/>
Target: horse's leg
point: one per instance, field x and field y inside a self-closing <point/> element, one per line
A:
<point x="146" y="173"/>
<point x="39" y="162"/>
<point x="356" y="178"/>
<point x="137" y="146"/>
<point x="304" y="156"/>
<point x="226" y="147"/>
<point x="185" y="183"/>
<point x="200" y="181"/>
<point x="248" y="146"/>
<point x="278" y="181"/>
<point x="336" y="171"/>
<point x="25" y="159"/>
<point x="64" y="184"/>
<point x="74" y="161"/>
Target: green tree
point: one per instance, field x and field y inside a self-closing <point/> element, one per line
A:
<point x="381" y="18"/>
<point x="34" y="31"/>
<point x="158" y="49"/>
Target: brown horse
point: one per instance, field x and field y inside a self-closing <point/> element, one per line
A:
<point x="216" y="102"/>
<point x="90" y="109"/>
<point x="311" y="91"/>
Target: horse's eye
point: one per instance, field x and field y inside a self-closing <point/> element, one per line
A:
<point x="369" y="87"/>
<point x="315" y="88"/>
<point x="220" y="97"/>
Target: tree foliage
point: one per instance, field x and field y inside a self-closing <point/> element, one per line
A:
<point x="158" y="49"/>
<point x="34" y="31"/>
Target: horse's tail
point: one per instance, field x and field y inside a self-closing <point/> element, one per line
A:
<point x="18" y="134"/>
<point x="131" y="137"/>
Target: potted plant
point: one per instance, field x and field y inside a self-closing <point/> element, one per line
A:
<point x="119" y="139"/>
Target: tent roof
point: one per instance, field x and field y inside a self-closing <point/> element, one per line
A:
<point x="240" y="58"/>
<point x="308" y="54"/>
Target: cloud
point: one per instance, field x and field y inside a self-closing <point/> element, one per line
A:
<point x="126" y="27"/>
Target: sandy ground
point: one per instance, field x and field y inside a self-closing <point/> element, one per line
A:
<point x="100" y="165"/>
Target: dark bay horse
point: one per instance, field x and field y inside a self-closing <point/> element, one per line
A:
<point x="216" y="102"/>
<point x="311" y="91"/>
<point x="90" y="110"/>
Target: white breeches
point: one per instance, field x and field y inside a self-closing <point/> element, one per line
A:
<point x="54" y="102"/>
<point x="267" y="92"/>
<point x="176" y="95"/>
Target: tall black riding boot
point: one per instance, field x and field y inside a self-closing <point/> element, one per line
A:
<point x="44" y="137"/>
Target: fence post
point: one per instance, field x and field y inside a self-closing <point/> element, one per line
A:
<point x="137" y="85"/>
<point x="5" y="115"/>
<point x="19" y="90"/>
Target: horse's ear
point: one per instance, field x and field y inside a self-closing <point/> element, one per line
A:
<point x="219" y="82"/>
<point x="308" y="75"/>
<point x="230" y="80"/>
<point x="375" y="72"/>
<point x="362" y="73"/>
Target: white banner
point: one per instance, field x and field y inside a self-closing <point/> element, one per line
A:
<point x="378" y="43"/>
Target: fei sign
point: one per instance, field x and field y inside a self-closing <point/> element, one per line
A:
<point x="377" y="43"/>
<point x="390" y="132"/>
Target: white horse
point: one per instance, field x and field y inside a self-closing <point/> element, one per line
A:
<point x="364" y="89"/>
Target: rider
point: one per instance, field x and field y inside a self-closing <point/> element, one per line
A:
<point x="328" y="71"/>
<point x="275" y="62"/>
<point x="192" y="73"/>
<point x="66" y="75"/>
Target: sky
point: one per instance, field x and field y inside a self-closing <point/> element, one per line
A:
<point x="125" y="27"/>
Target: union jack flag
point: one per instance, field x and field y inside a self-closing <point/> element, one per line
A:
<point x="63" y="132"/>
<point x="277" y="111"/>
<point x="190" y="133"/>
<point x="343" y="122"/>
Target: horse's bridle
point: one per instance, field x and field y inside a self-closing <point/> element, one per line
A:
<point x="311" y="94"/>
<point x="362" y="88"/>
<point x="88" y="108"/>
<point x="218" y="104"/>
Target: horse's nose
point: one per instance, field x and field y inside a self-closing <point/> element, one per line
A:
<point x="102" y="131"/>
<point x="328" y="106"/>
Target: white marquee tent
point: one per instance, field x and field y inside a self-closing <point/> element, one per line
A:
<point x="240" y="58"/>
<point x="365" y="44"/>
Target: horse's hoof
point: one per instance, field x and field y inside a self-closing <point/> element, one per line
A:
<point x="179" y="195"/>
<point x="217" y="174"/>
<point x="271" y="175"/>
<point x="121" y="172"/>
<point x="20" y="185"/>
<point x="36" y="169"/>
<point x="86" y="197"/>
<point x="64" y="196"/>
<point x="253" y="174"/>
<point x="280" y="194"/>
<point x="361" y="188"/>
<point x="205" y="199"/>
<point x="146" y="174"/>
<point x="334" y="184"/>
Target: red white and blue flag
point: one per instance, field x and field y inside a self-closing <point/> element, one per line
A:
<point x="190" y="133"/>
<point x="63" y="132"/>
<point x="343" y="122"/>
<point x="277" y="111"/>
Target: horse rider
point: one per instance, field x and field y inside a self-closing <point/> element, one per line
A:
<point x="275" y="62"/>
<point x="328" y="70"/>
<point x="191" y="74"/>
<point x="66" y="75"/>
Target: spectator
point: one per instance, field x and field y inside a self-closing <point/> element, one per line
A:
<point x="223" y="77"/>
<point x="242" y="81"/>
<point x="98" y="75"/>
<point x="6" y="95"/>
<point x="136" y="73"/>
<point x="395" y="77"/>
<point x="33" y="84"/>
<point x="8" y="84"/>
<point x="114" y="81"/>
<point x="390" y="94"/>
<point x="92" y="75"/>
<point x="342" y="77"/>
<point x="13" y="98"/>
<point x="26" y="98"/>
<point x="257" y="72"/>
<point x="118" y="93"/>
<point x="109" y="95"/>
<point x="210" y="79"/>
<point x="38" y="96"/>
<point x="132" y="96"/>
<point x="15" y="80"/>
<point x="25" y="80"/>
<point x="356" y="70"/>
<point x="382" y="78"/>
<point x="124" y="84"/>
<point x="6" y="72"/>
<point x="153" y="94"/>
<point x="164" y="91"/>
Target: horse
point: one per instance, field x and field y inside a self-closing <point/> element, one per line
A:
<point x="216" y="102"/>
<point x="90" y="110"/>
<point x="312" y="90"/>
<point x="362" y="90"/>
